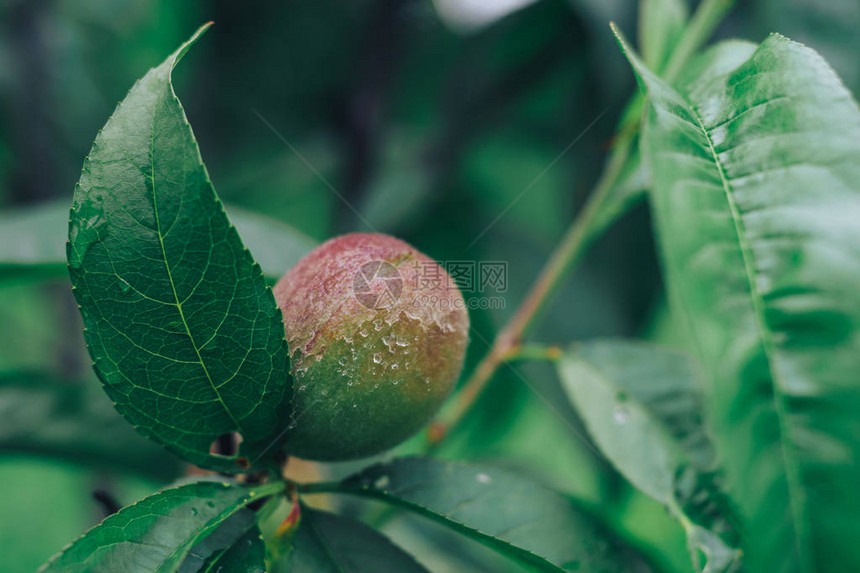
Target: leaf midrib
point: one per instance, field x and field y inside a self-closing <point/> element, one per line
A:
<point x="797" y="498"/>
<point x="160" y="236"/>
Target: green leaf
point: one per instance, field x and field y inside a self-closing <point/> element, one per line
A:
<point x="158" y="532"/>
<point x="643" y="408"/>
<point x="518" y="518"/>
<point x="183" y="331"/>
<point x="327" y="543"/>
<point x="756" y="195"/>
<point x="236" y="546"/>
<point x="73" y="419"/>
<point x="661" y="24"/>
<point x="33" y="241"/>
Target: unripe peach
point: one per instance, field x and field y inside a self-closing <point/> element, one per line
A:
<point x="377" y="333"/>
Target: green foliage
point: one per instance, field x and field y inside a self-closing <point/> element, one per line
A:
<point x="168" y="292"/>
<point x="644" y="409"/>
<point x="159" y="532"/>
<point x="519" y="518"/>
<point x="237" y="545"/>
<point x="327" y="543"/>
<point x="755" y="166"/>
<point x="749" y="154"/>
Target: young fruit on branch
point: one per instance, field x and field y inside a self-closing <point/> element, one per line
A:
<point x="378" y="333"/>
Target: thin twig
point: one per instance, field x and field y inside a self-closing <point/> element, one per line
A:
<point x="587" y="225"/>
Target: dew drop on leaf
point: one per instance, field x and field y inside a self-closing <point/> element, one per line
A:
<point x="381" y="482"/>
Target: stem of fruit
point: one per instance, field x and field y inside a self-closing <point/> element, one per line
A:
<point x="591" y="220"/>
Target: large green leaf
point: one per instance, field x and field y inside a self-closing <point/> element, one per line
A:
<point x="327" y="543"/>
<point x="756" y="169"/>
<point x="158" y="532"/>
<point x="643" y="408"/>
<point x="45" y="414"/>
<point x="33" y="241"/>
<point x="182" y="329"/>
<point x="518" y="518"/>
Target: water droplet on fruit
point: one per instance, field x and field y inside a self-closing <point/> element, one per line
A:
<point x="483" y="478"/>
<point x="620" y="415"/>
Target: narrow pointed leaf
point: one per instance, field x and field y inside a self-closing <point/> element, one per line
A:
<point x="182" y="329"/>
<point x="756" y="171"/>
<point x="327" y="543"/>
<point x="158" y="532"/>
<point x="518" y="518"/>
<point x="643" y="408"/>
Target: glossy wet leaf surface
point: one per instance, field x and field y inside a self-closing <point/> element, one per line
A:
<point x="182" y="329"/>
<point x="158" y="532"/>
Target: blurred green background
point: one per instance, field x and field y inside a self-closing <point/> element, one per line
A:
<point x="430" y="118"/>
